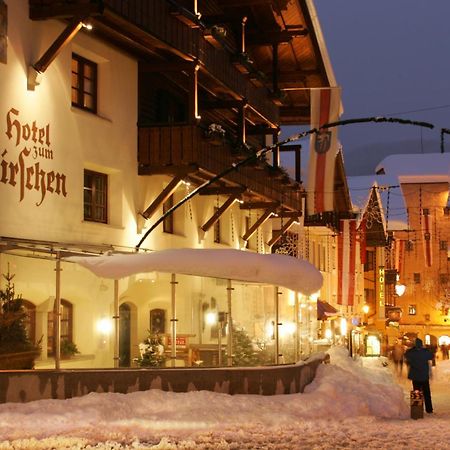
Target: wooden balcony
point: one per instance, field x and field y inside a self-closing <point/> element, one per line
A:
<point x="178" y="149"/>
<point x="151" y="28"/>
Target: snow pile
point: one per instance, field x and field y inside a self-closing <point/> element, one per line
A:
<point x="343" y="394"/>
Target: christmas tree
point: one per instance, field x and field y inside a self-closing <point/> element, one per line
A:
<point x="152" y="352"/>
<point x="244" y="353"/>
<point x="13" y="333"/>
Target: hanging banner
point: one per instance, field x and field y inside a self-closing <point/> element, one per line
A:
<point x="399" y="249"/>
<point x="346" y="263"/>
<point x="362" y="241"/>
<point x="325" y="107"/>
<point x="427" y="237"/>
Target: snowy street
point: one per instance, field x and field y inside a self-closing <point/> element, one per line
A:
<point x="350" y="404"/>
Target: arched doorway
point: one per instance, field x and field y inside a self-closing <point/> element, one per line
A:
<point x="124" y="335"/>
<point x="66" y="324"/>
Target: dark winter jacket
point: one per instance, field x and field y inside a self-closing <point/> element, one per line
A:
<point x="417" y="359"/>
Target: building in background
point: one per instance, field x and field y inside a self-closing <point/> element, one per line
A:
<point x="404" y="210"/>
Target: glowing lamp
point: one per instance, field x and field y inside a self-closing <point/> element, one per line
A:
<point x="400" y="289"/>
<point x="104" y="326"/>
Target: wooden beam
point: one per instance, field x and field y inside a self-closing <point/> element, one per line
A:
<point x="297" y="111"/>
<point x="65" y="10"/>
<point x="265" y="216"/>
<point x="239" y="3"/>
<point x="291" y="214"/>
<point x="277" y="237"/>
<point x="274" y="37"/>
<point x="223" y="190"/>
<point x="262" y="129"/>
<point x="162" y="197"/>
<point x="193" y="94"/>
<point x="242" y="132"/>
<point x="60" y="42"/>
<point x="292" y="77"/>
<point x="178" y="66"/>
<point x="216" y="216"/>
<point x="222" y="104"/>
<point x="258" y="205"/>
<point x="176" y="170"/>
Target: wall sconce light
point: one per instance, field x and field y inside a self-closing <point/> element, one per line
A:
<point x="87" y="25"/>
<point x="400" y="289"/>
<point x="104" y="326"/>
<point x="365" y="309"/>
<point x="211" y="318"/>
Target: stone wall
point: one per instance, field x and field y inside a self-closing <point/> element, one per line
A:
<point x="30" y="385"/>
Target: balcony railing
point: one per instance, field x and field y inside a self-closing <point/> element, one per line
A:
<point x="176" y="146"/>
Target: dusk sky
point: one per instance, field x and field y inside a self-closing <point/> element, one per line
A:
<point x="392" y="58"/>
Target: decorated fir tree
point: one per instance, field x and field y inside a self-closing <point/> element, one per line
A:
<point x="244" y="353"/>
<point x="13" y="333"/>
<point x="152" y="352"/>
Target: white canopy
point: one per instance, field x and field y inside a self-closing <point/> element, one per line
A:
<point x="273" y="269"/>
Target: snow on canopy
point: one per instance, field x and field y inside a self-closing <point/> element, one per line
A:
<point x="274" y="269"/>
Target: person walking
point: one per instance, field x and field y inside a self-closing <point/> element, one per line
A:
<point x="398" y="352"/>
<point x="418" y="359"/>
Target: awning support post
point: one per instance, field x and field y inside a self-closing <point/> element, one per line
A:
<point x="230" y="326"/>
<point x="173" y="282"/>
<point x="116" y="318"/>
<point x="276" y="327"/>
<point x="57" y="335"/>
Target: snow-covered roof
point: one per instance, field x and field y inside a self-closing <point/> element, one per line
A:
<point x="273" y="269"/>
<point x="389" y="195"/>
<point x="393" y="171"/>
<point x="417" y="168"/>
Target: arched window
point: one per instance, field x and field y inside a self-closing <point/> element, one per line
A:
<point x="66" y="325"/>
<point x="30" y="319"/>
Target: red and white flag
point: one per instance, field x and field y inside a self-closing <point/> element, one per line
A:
<point x="323" y="147"/>
<point x="346" y="263"/>
<point x="427" y="237"/>
<point x="399" y="248"/>
<point x="362" y="241"/>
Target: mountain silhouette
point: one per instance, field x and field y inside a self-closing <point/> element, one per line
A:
<point x="364" y="159"/>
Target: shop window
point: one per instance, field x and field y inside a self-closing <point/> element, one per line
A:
<point x="66" y="326"/>
<point x="95" y="196"/>
<point x="369" y="265"/>
<point x="84" y="83"/>
<point x="168" y="221"/>
<point x="412" y="310"/>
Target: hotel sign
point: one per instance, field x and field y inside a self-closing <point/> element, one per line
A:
<point x="26" y="172"/>
<point x="381" y="283"/>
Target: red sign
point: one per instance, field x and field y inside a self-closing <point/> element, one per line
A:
<point x="181" y="341"/>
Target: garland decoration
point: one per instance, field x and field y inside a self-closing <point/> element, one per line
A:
<point x="262" y="152"/>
